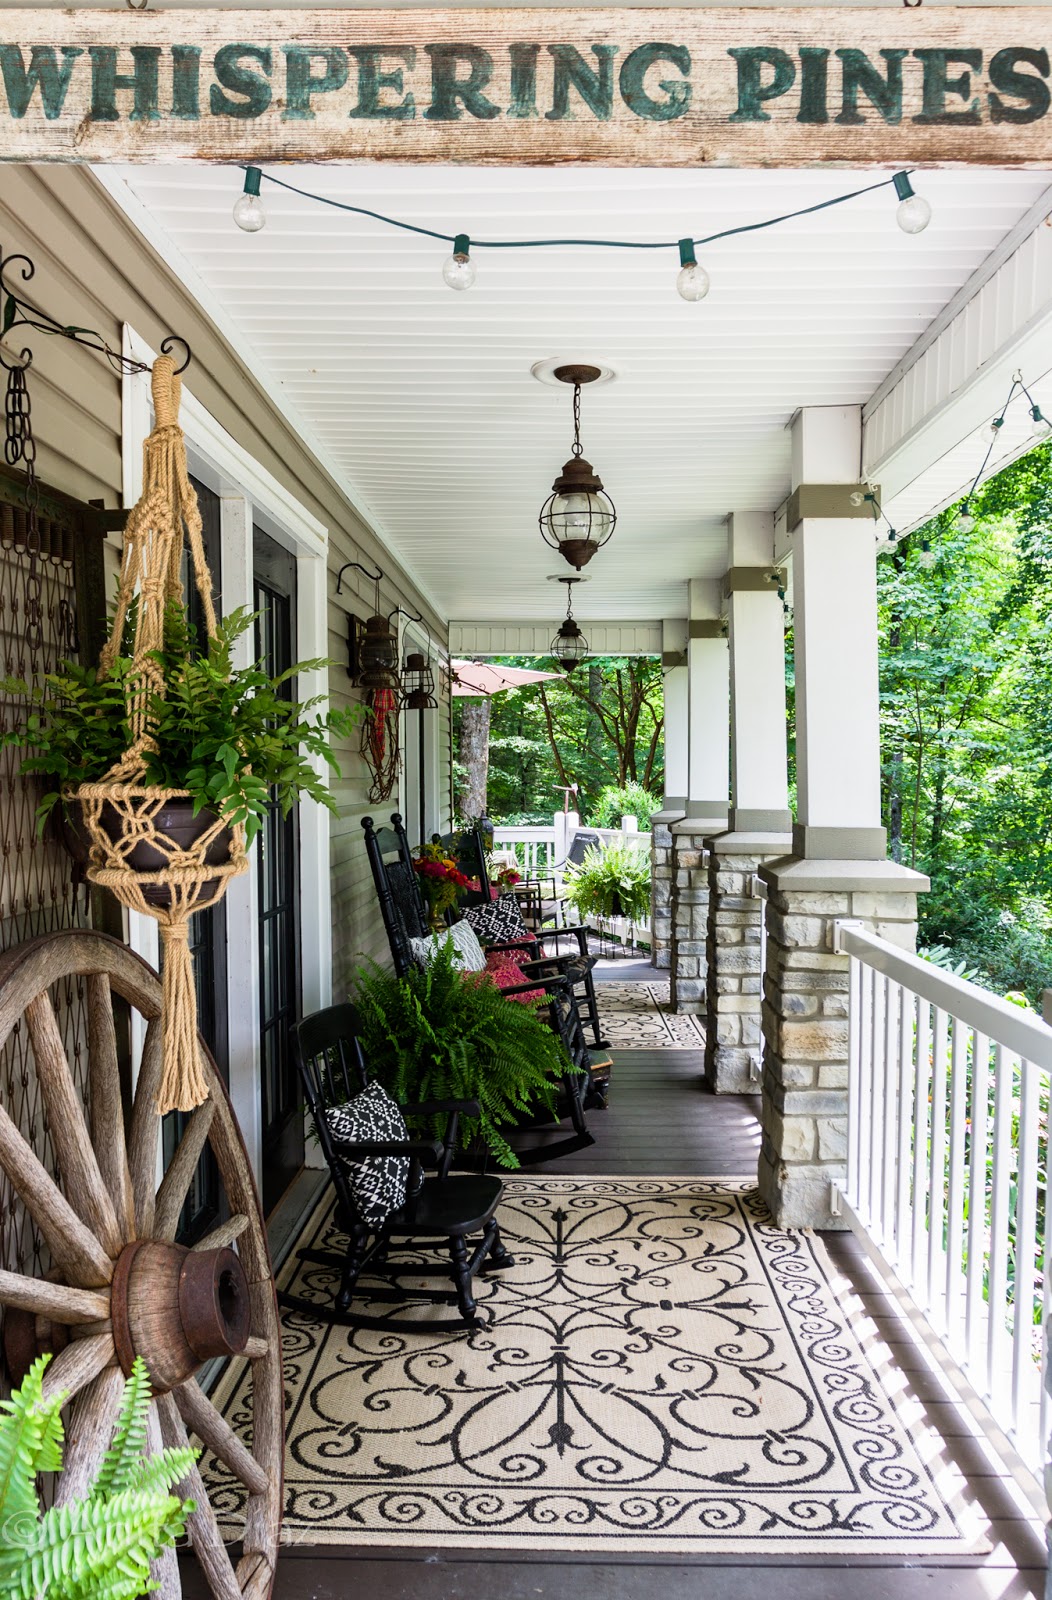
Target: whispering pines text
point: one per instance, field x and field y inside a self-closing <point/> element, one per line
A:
<point x="446" y="82"/>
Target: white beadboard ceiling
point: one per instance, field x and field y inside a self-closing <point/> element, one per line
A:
<point x="421" y="399"/>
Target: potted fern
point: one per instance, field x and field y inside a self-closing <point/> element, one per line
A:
<point x="441" y="1033"/>
<point x="611" y="881"/>
<point x="229" y="736"/>
<point x="100" y="1547"/>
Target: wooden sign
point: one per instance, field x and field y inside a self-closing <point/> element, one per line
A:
<point x="756" y="88"/>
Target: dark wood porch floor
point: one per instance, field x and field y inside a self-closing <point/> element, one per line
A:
<point x="661" y="1120"/>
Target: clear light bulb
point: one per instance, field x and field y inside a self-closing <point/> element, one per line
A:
<point x="458" y="270"/>
<point x="248" y="207"/>
<point x="249" y="213"/>
<point x="914" y="212"/>
<point x="965" y="522"/>
<point x="926" y="556"/>
<point x="1040" y="426"/>
<point x="692" y="282"/>
<point x="993" y="431"/>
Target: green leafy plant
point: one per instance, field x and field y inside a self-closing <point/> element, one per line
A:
<point x="613" y="880"/>
<point x="442" y="1033"/>
<point x="233" y="737"/>
<point x="629" y="800"/>
<point x="98" y="1548"/>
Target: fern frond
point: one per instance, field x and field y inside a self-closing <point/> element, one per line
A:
<point x="163" y="1470"/>
<point x="91" y="1549"/>
<point x="123" y="1459"/>
<point x="30" y="1442"/>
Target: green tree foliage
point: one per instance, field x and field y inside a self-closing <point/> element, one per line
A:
<point x="966" y="724"/>
<point x="600" y="727"/>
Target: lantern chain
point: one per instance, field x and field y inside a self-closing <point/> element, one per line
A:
<point x="20" y="446"/>
<point x="577" y="419"/>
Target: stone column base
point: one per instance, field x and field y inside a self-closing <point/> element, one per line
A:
<point x="690" y="912"/>
<point x="661" y="886"/>
<point x="734" y="949"/>
<point x="805" y="1021"/>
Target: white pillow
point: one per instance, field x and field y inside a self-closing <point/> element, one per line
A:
<point x="468" y="954"/>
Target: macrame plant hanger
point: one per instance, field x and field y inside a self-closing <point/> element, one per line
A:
<point x="120" y="812"/>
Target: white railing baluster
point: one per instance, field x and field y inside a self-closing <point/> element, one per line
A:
<point x="997" y="1358"/>
<point x="856" y="1085"/>
<point x="947" y="1165"/>
<point x="921" y="1055"/>
<point x="1026" y="1290"/>
<point x="937" y="1171"/>
<point x="974" y="1300"/>
<point x="955" y="1202"/>
<point x="906" y="1086"/>
<point x="886" y="1068"/>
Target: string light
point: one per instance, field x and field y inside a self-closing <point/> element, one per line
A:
<point x="249" y="213"/>
<point x="926" y="556"/>
<point x="993" y="432"/>
<point x="964" y="522"/>
<point x="913" y="213"/>
<point x="458" y="270"/>
<point x="1040" y="426"/>
<point x="692" y="281"/>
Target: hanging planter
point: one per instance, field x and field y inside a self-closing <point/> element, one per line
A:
<point x="165" y="759"/>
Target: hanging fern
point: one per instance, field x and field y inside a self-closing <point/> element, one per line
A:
<point x="101" y="1547"/>
<point x="443" y="1034"/>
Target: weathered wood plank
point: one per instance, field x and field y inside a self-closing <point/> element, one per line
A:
<point x="727" y="87"/>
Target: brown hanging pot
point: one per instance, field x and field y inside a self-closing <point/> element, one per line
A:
<point x="146" y="845"/>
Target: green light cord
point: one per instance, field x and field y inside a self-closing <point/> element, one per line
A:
<point x="593" y="244"/>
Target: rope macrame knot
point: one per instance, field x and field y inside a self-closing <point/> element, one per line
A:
<point x="169" y="880"/>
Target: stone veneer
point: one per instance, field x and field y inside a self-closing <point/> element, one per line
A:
<point x="690" y="912"/>
<point x="734" y="949"/>
<point x="805" y="1021"/>
<point x="661" y="887"/>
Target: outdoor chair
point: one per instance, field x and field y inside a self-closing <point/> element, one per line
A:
<point x="468" y="850"/>
<point x="405" y="918"/>
<point x="452" y="1213"/>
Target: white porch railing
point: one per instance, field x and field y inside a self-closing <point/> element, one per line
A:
<point x="533" y="848"/>
<point x="947" y="1166"/>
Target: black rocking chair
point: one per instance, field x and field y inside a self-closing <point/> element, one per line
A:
<point x="440" y="1212"/>
<point x="469" y="851"/>
<point x="405" y="918"/>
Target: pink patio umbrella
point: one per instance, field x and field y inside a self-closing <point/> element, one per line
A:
<point x="483" y="677"/>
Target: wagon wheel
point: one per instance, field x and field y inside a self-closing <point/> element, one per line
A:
<point x="120" y="1286"/>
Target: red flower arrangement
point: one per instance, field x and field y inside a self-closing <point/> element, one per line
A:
<point x="440" y="879"/>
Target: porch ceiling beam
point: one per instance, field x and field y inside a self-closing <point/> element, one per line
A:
<point x="919" y="425"/>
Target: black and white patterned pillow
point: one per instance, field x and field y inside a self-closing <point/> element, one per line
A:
<point x="377" y="1183"/>
<point x="499" y="922"/>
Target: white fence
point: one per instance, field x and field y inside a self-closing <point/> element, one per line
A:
<point x="947" y="1166"/>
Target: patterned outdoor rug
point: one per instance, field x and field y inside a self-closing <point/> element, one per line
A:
<point x="660" y="1371"/>
<point x="638" y="1016"/>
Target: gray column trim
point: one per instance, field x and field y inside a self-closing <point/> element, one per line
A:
<point x="767" y="579"/>
<point x="706" y="808"/>
<point x="675" y="802"/>
<point x="757" y="819"/>
<point x="839" y="844"/>
<point x="708" y="628"/>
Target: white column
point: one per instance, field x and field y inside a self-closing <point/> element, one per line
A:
<point x="835" y="600"/>
<point x="674" y="662"/>
<point x="708" y="703"/>
<point x="759" y="774"/>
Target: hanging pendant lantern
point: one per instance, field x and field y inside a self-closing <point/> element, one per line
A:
<point x="578" y="517"/>
<point x="569" y="647"/>
<point x="418" y="684"/>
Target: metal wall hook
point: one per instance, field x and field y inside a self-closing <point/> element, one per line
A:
<point x="374" y="577"/>
<point x="172" y="338"/>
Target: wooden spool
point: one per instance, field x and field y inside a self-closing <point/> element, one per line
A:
<point x="177" y="1308"/>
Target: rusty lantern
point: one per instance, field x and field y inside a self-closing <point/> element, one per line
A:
<point x="578" y="517"/>
<point x="569" y="647"/>
<point x="374" y="654"/>
<point x="418" y="684"/>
